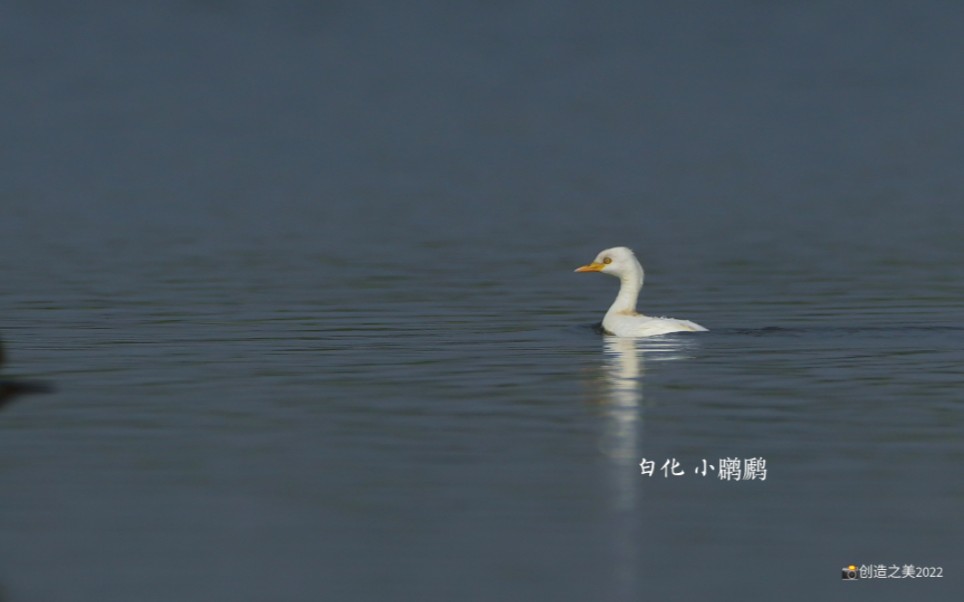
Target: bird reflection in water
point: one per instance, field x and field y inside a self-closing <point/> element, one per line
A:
<point x="621" y="392"/>
<point x="620" y="396"/>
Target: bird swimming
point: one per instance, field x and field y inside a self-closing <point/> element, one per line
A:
<point x="13" y="388"/>
<point x="622" y="319"/>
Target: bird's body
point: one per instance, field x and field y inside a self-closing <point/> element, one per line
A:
<point x="622" y="319"/>
<point x="646" y="326"/>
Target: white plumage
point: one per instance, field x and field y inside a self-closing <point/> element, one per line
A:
<point x="622" y="319"/>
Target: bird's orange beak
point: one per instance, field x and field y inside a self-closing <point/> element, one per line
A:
<point x="592" y="267"/>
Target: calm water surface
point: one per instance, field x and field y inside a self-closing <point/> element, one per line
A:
<point x="316" y="335"/>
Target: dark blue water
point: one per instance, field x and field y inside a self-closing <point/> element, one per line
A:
<point x="302" y="276"/>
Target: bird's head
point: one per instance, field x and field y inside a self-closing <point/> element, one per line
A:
<point x="618" y="261"/>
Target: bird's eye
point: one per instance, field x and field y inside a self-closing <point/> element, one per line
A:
<point x="607" y="260"/>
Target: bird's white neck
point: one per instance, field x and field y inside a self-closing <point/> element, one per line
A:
<point x="630" y="284"/>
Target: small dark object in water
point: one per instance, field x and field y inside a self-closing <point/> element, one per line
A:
<point x="10" y="389"/>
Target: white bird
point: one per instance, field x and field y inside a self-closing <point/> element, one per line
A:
<point x="622" y="319"/>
